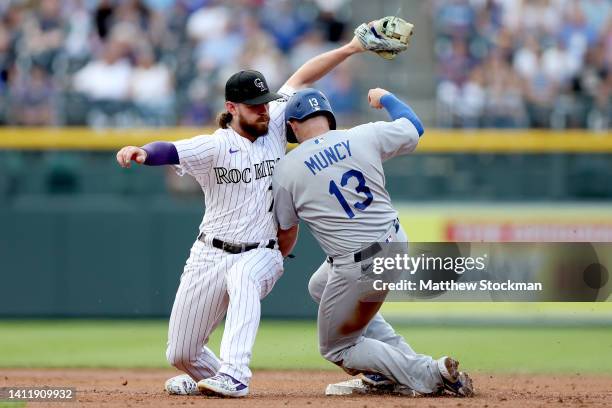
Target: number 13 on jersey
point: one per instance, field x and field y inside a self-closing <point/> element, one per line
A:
<point x="361" y="188"/>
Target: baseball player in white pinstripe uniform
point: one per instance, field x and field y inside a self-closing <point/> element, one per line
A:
<point x="237" y="256"/>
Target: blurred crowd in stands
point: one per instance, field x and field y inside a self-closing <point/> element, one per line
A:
<point x="114" y="63"/>
<point x="524" y="63"/>
<point x="500" y="63"/>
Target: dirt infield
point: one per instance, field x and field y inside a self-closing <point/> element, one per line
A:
<point x="136" y="388"/>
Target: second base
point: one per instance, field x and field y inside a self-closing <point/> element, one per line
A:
<point x="357" y="387"/>
<point x="350" y="387"/>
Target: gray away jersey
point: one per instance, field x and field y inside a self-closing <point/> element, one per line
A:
<point x="336" y="184"/>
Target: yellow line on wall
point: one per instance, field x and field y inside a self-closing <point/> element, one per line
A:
<point x="434" y="140"/>
<point x="87" y="139"/>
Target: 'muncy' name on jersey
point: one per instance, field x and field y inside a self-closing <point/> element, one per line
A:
<point x="336" y="184"/>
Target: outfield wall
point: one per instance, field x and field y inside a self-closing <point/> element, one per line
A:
<point x="81" y="237"/>
<point x="106" y="257"/>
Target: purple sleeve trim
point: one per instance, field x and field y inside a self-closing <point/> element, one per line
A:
<point x="161" y="153"/>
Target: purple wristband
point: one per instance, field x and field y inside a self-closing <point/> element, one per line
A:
<point x="160" y="153"/>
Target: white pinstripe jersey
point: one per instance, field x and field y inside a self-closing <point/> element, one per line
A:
<point x="236" y="177"/>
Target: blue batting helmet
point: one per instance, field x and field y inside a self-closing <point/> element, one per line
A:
<point x="305" y="104"/>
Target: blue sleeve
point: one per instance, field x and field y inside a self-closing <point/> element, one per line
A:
<point x="398" y="109"/>
<point x="161" y="153"/>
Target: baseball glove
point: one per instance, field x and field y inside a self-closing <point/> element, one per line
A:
<point x="387" y="36"/>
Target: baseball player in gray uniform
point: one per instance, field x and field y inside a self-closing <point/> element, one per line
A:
<point x="334" y="182"/>
<point x="236" y="258"/>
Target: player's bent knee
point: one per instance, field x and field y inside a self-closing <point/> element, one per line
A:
<point x="315" y="289"/>
<point x="336" y="356"/>
<point x="245" y="284"/>
<point x="331" y="354"/>
<point x="242" y="279"/>
<point x="247" y="287"/>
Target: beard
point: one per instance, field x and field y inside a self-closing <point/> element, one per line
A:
<point x="255" y="129"/>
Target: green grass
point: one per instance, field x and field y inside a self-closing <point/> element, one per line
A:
<point x="293" y="344"/>
<point x="570" y="310"/>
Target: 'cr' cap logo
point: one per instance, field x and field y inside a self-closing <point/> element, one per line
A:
<point x="259" y="83"/>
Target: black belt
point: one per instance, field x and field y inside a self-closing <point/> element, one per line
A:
<point x="236" y="248"/>
<point x="370" y="251"/>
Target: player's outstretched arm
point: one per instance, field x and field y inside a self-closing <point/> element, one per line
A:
<point x="152" y="154"/>
<point x="287" y="239"/>
<point x="317" y="67"/>
<point x="379" y="98"/>
<point x="399" y="136"/>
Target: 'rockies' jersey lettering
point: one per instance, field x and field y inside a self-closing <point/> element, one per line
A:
<point x="327" y="157"/>
<point x="224" y="175"/>
<point x="227" y="176"/>
<point x="265" y="168"/>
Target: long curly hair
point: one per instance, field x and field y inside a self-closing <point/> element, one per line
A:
<point x="223" y="119"/>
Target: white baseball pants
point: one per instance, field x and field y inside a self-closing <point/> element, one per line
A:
<point x="213" y="283"/>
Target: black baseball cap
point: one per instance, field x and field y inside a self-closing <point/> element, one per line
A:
<point x="249" y="87"/>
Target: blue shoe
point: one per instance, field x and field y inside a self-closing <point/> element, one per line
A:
<point x="376" y="380"/>
<point x="455" y="381"/>
<point x="223" y="385"/>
